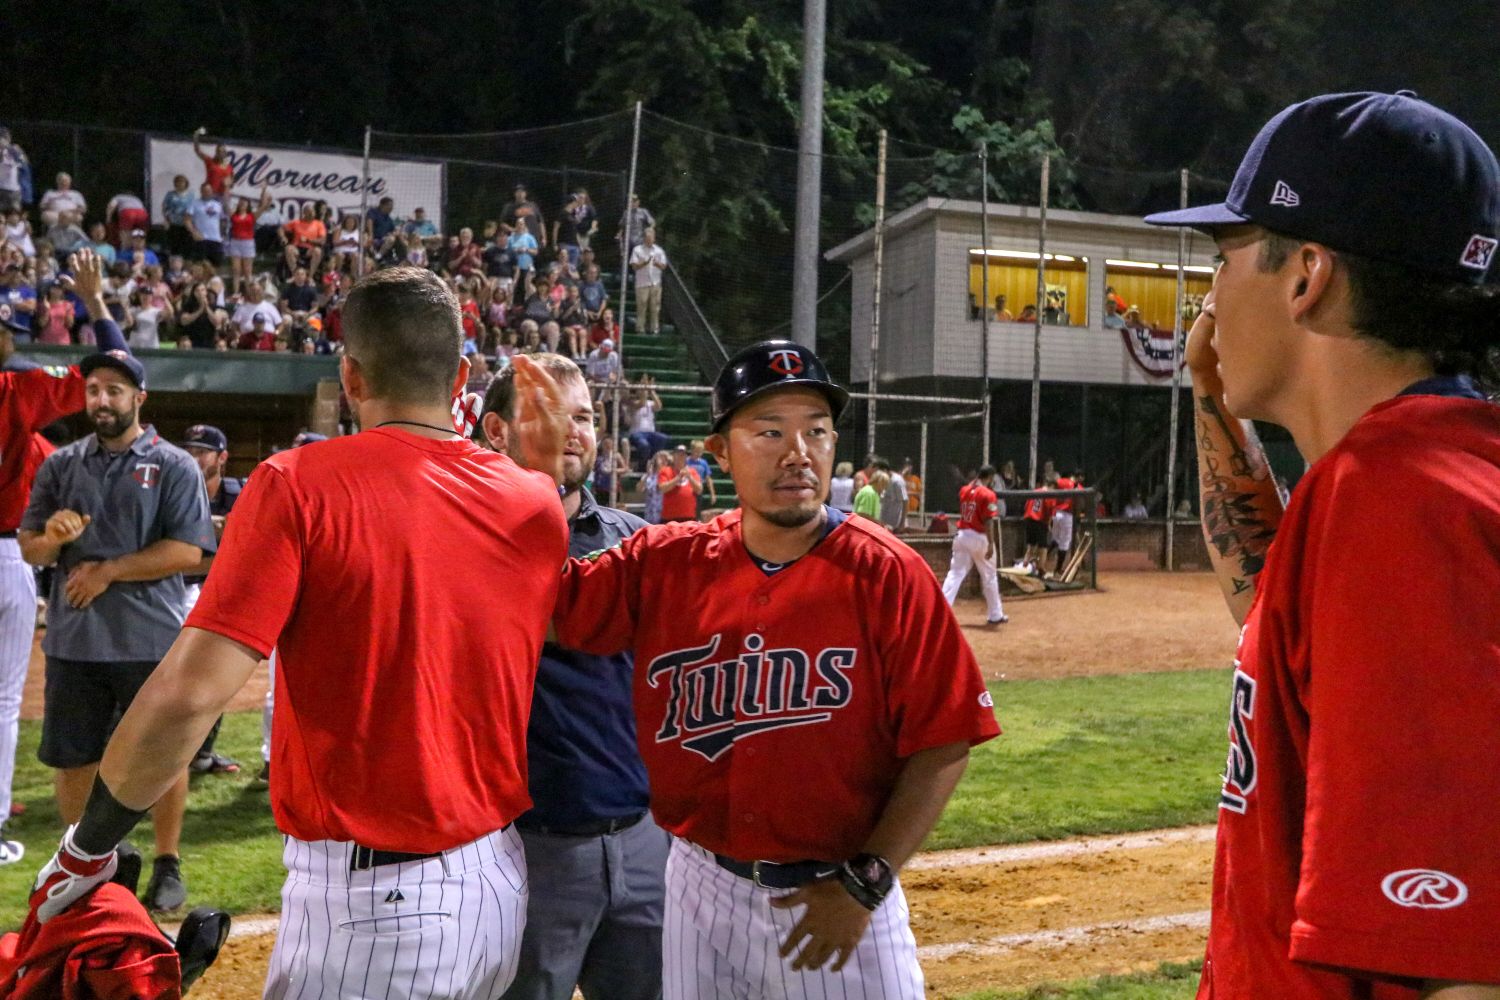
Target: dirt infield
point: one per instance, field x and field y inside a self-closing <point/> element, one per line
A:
<point x="1013" y="916"/>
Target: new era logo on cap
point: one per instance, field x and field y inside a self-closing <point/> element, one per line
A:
<point x="1284" y="195"/>
<point x="1479" y="252"/>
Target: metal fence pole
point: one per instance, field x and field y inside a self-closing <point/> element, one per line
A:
<point x="1036" y="333"/>
<point x="1171" y="560"/>
<point x="635" y="152"/>
<point x="875" y="312"/>
<point x="809" y="177"/>
<point x="76" y="180"/>
<point x="984" y="298"/>
<point x="364" y="206"/>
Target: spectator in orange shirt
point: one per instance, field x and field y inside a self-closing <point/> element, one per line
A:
<point x="304" y="239"/>
<point x="680" y="485"/>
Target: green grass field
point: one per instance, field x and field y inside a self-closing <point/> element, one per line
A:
<point x="1079" y="756"/>
<point x="1171" y="981"/>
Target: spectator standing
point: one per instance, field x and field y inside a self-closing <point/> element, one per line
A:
<point x="268" y="223"/>
<point x="841" y="488"/>
<point x="643" y="405"/>
<point x="523" y="209"/>
<point x="62" y="198"/>
<point x="633" y="224"/>
<point x="205" y="221"/>
<point x="607" y="466"/>
<point x="651" y="486"/>
<point x="217" y="170"/>
<point x="913" y="484"/>
<point x="119" y="506"/>
<point x="14" y="170"/>
<point x="197" y="321"/>
<point x="596" y="861"/>
<point x="209" y="447"/>
<point x="892" y="498"/>
<point x="1002" y="314"/>
<point x="976" y="544"/>
<point x="176" y="206"/>
<point x="241" y="245"/>
<point x="523" y="247"/>
<point x="867" y="500"/>
<point x="679" y="486"/>
<point x="146" y="319"/>
<point x="707" y="496"/>
<point x="648" y="261"/>
<point x="123" y="214"/>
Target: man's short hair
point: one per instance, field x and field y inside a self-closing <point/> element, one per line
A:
<point x="986" y="471"/>
<point x="403" y="326"/>
<point x="1455" y="325"/>
<point x="500" y="397"/>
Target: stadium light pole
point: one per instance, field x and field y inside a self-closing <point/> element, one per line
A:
<point x="809" y="177"/>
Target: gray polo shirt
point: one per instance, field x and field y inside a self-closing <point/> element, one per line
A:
<point x="893" y="502"/>
<point x="148" y="492"/>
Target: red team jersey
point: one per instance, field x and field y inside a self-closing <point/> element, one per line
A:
<point x="1360" y="814"/>
<point x="977" y="505"/>
<point x="400" y="712"/>
<point x="29" y="401"/>
<point x="826" y="674"/>
<point x="1063" y="483"/>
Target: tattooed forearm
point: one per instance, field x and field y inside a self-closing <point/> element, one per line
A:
<point x="1241" y="508"/>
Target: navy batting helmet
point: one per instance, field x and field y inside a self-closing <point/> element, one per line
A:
<point x="772" y="364"/>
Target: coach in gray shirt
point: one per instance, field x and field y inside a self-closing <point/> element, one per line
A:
<point x="122" y="514"/>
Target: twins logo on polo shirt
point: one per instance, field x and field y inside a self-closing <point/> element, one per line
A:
<point x="148" y="474"/>
<point x="713" y="703"/>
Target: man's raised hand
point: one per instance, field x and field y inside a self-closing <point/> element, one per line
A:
<point x="542" y="422"/>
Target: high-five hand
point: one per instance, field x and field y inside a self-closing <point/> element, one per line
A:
<point x="542" y="417"/>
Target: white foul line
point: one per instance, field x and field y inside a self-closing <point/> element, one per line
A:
<point x="1059" y="849"/>
<point x="1065" y="938"/>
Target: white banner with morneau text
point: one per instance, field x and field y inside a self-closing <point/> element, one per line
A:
<point x="294" y="177"/>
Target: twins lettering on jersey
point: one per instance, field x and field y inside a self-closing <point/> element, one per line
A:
<point x="712" y="703"/>
<point x="1239" y="771"/>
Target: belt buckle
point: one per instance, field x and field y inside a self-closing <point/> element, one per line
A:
<point x="362" y="859"/>
<point x="755" y="872"/>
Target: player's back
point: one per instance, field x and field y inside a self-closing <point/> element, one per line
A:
<point x="421" y="576"/>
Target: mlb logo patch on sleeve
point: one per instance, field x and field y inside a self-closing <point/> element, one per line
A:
<point x="1479" y="252"/>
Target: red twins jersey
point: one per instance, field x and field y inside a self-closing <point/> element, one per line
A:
<point x="827" y="674"/>
<point x="1064" y="483"/>
<point x="29" y="401"/>
<point x="406" y="584"/>
<point x="1360" y="814"/>
<point x="977" y="506"/>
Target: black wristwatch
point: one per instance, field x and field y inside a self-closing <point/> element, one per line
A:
<point x="868" y="878"/>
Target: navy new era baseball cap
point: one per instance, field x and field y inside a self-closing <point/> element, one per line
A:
<point x="1384" y="176"/>
<point x="121" y="361"/>
<point x="205" y="436"/>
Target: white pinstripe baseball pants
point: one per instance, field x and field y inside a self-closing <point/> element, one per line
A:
<point x="721" y="937"/>
<point x="17" y="629"/>
<point x="447" y="927"/>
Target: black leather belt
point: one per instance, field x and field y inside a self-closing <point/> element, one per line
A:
<point x="776" y="875"/>
<point x="598" y="828"/>
<point x="362" y="858"/>
<point x="7" y="534"/>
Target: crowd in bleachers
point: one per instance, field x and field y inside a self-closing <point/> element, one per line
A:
<point x="226" y="272"/>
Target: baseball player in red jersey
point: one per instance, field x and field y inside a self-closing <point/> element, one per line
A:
<point x="1359" y="817"/>
<point x="29" y="401"/>
<point x="977" y="543"/>
<point x="767" y="642"/>
<point x="402" y="696"/>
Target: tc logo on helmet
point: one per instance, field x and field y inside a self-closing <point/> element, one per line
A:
<point x="785" y="362"/>
<point x="1424" y="888"/>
